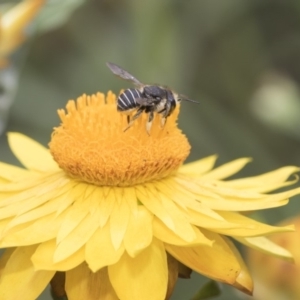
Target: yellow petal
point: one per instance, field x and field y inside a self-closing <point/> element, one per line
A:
<point x="184" y="199"/>
<point x="5" y="256"/>
<point x="208" y="195"/>
<point x="76" y="212"/>
<point x="130" y="198"/>
<point x="274" y="186"/>
<point x="246" y="195"/>
<point x="220" y="188"/>
<point x="31" y="181"/>
<point x="4" y="195"/>
<point x="12" y="173"/>
<point x="181" y="226"/>
<point x="256" y="191"/>
<point x="204" y="221"/>
<point x="71" y="196"/>
<point x="2" y="181"/>
<point x="154" y="206"/>
<point x="248" y="227"/>
<point x="19" y="279"/>
<point x="18" y="191"/>
<point x="218" y="191"/>
<point x="77" y="238"/>
<point x="244" y="281"/>
<point x="25" y="215"/>
<point x="227" y="169"/>
<point x="163" y="233"/>
<point x="191" y="188"/>
<point x="42" y="259"/>
<point x="281" y="196"/>
<point x="199" y="167"/>
<point x="22" y="202"/>
<point x="106" y="202"/>
<point x="139" y="231"/>
<point x="41" y="230"/>
<point x="228" y="204"/>
<point x="143" y="277"/>
<point x="165" y="187"/>
<point x="217" y="262"/>
<point x="99" y="250"/>
<point x="31" y="154"/>
<point x="81" y="283"/>
<point x="119" y="219"/>
<point x="55" y="187"/>
<point x="3" y="225"/>
<point x="265" y="245"/>
<point x="267" y="179"/>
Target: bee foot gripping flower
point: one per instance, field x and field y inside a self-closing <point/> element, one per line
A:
<point x="114" y="215"/>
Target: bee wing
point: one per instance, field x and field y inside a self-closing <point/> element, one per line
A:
<point x="123" y="74"/>
<point x="146" y="101"/>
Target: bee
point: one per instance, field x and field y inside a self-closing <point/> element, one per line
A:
<point x="145" y="98"/>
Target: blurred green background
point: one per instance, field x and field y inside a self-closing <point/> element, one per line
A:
<point x="239" y="58"/>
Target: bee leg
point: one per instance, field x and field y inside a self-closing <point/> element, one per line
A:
<point x="163" y="121"/>
<point x="149" y="122"/>
<point x="138" y="113"/>
<point x="165" y="114"/>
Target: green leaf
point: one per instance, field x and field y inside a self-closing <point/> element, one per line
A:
<point x="56" y="13"/>
<point x="208" y="290"/>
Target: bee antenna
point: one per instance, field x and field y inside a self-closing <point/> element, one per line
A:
<point x="181" y="97"/>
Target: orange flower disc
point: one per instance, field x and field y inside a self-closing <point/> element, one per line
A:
<point x="91" y="145"/>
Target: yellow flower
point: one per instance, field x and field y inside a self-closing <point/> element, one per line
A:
<point x="118" y="213"/>
<point x="13" y="24"/>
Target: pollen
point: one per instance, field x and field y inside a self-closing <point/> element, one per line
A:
<point x="91" y="145"/>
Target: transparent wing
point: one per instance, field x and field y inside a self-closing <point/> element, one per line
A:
<point x="146" y="101"/>
<point x="123" y="74"/>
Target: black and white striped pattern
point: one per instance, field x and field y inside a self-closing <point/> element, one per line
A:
<point x="127" y="100"/>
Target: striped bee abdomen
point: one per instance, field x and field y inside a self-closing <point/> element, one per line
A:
<point x="127" y="100"/>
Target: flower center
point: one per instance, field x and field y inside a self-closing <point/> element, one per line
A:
<point x="91" y="145"/>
